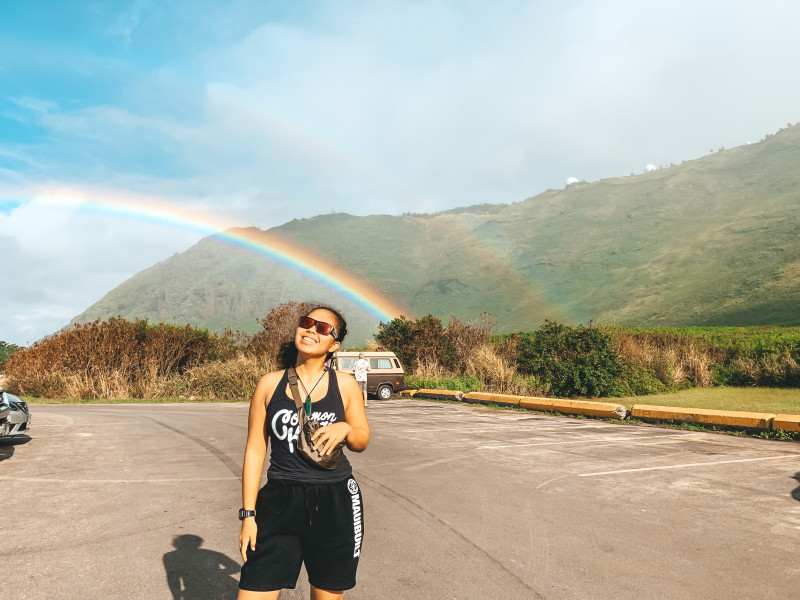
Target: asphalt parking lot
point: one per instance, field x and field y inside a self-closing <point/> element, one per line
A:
<point x="140" y="501"/>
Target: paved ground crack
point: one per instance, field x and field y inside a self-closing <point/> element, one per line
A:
<point x="394" y="495"/>
<point x="233" y="467"/>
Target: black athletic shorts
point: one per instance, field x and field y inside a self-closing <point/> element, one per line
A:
<point x="321" y="525"/>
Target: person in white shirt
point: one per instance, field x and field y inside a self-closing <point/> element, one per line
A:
<point x="360" y="368"/>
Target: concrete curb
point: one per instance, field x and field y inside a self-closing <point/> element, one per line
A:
<point x="440" y="395"/>
<point x="729" y="418"/>
<point x="607" y="410"/>
<point x="485" y="398"/>
<point x="786" y="422"/>
<point x="611" y="410"/>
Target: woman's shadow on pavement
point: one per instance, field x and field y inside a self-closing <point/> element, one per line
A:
<point x="194" y="573"/>
<point x="796" y="491"/>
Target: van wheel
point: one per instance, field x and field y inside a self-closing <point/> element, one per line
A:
<point x="384" y="392"/>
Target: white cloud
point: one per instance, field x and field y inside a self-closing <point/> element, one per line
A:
<point x="37" y="105"/>
<point x="383" y="107"/>
<point x="63" y="251"/>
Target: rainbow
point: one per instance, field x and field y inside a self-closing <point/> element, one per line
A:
<point x="268" y="244"/>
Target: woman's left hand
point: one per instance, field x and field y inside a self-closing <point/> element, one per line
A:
<point x="326" y="438"/>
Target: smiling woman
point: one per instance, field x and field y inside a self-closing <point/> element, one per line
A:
<point x="306" y="513"/>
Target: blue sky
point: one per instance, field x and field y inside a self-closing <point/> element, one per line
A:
<point x="265" y="111"/>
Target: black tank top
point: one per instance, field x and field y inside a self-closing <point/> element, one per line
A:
<point x="283" y="429"/>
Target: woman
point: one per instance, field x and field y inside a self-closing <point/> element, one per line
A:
<point x="304" y="513"/>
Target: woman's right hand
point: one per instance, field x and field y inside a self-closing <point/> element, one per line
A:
<point x="248" y="536"/>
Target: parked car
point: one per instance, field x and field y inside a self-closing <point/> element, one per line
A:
<point x="18" y="417"/>
<point x="5" y="410"/>
<point x="385" y="376"/>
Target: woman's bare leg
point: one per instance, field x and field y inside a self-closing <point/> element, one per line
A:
<point x="318" y="594"/>
<point x="248" y="595"/>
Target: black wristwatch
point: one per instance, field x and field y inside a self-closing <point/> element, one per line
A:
<point x="243" y="514"/>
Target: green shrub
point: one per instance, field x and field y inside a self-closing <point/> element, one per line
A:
<point x="6" y="350"/>
<point x="464" y="383"/>
<point x="575" y="361"/>
<point x="641" y="381"/>
<point x="417" y="342"/>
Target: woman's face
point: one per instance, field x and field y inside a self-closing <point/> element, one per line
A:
<point x="311" y="343"/>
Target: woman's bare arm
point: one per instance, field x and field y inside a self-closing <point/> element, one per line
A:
<point x="254" y="454"/>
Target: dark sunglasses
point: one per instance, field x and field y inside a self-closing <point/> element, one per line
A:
<point x="321" y="328"/>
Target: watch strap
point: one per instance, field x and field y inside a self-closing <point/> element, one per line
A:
<point x="243" y="514"/>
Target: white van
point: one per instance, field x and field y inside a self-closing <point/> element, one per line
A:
<point x="385" y="376"/>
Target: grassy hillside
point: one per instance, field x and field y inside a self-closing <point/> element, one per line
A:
<point x="214" y="285"/>
<point x="712" y="241"/>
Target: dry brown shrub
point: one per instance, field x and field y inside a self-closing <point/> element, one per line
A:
<point x="672" y="358"/>
<point x="773" y="368"/>
<point x="428" y="369"/>
<point x="471" y="342"/>
<point x="466" y="337"/>
<point x="475" y="354"/>
<point x="131" y="359"/>
<point x="228" y="344"/>
<point x="749" y="369"/>
<point x="232" y="379"/>
<point x="107" y="359"/>
<point x="494" y="370"/>
<point x="765" y="370"/>
<point x="527" y="386"/>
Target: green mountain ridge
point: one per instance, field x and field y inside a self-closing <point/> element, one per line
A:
<point x="713" y="241"/>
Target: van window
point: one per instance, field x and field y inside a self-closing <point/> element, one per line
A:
<point x="380" y="363"/>
<point x="346" y="363"/>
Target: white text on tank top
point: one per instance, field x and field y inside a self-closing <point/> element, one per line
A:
<point x="286" y="425"/>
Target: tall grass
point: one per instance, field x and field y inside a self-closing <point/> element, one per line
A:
<point x="231" y="379"/>
<point x="705" y="356"/>
<point x="108" y="359"/>
<point x="465" y="355"/>
<point x="660" y="361"/>
<point x="117" y="359"/>
<point x="596" y="360"/>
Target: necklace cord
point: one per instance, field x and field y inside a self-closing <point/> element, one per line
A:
<point x="307" y="405"/>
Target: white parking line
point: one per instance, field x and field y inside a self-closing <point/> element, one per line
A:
<point x="126" y="423"/>
<point x="690" y="465"/>
<point x="154" y="480"/>
<point x="603" y="440"/>
<point x="432" y="463"/>
<point x="493" y="427"/>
